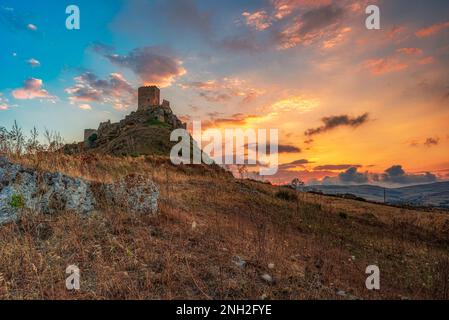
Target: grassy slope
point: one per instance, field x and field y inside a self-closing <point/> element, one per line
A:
<point x="207" y="219"/>
<point x="150" y="139"/>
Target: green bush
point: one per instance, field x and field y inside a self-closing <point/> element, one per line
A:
<point x="157" y="123"/>
<point x="17" y="201"/>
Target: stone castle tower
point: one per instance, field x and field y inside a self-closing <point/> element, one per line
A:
<point x="149" y="108"/>
<point x="148" y="97"/>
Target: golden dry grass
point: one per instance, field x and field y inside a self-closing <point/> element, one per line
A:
<point x="318" y="244"/>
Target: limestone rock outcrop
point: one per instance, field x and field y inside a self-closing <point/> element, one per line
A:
<point x="47" y="193"/>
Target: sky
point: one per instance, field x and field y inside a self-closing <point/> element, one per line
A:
<point x="352" y="105"/>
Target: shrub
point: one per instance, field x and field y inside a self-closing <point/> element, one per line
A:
<point x="286" y="195"/>
<point x="343" y="215"/>
<point x="17" y="201"/>
<point x="157" y="123"/>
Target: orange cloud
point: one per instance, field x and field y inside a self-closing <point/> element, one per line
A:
<point x="284" y="8"/>
<point x="338" y="38"/>
<point x="429" y="31"/>
<point x="258" y="20"/>
<point x="394" y="32"/>
<point x="384" y="65"/>
<point x="410" y="51"/>
<point x="234" y="121"/>
<point x="426" y="60"/>
<point x="417" y="52"/>
<point x="297" y="103"/>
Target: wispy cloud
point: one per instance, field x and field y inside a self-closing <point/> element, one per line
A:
<point x="337" y="167"/>
<point x="384" y="65"/>
<point x="426" y="60"/>
<point x="299" y="103"/>
<point x="33" y="62"/>
<point x="433" y="29"/>
<point x="294" y="164"/>
<point x="16" y="20"/>
<point x="281" y="148"/>
<point x="31" y="27"/>
<point x="238" y="120"/>
<point x="242" y="43"/>
<point x="223" y="90"/>
<point x="284" y="8"/>
<point x="85" y="106"/>
<point x="259" y="20"/>
<point x="4" y="103"/>
<point x="410" y="51"/>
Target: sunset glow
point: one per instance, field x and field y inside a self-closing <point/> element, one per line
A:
<point x="341" y="96"/>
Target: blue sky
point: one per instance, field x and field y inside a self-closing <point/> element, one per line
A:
<point x="288" y="64"/>
<point x="63" y="54"/>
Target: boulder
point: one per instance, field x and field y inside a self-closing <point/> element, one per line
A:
<point x="47" y="193"/>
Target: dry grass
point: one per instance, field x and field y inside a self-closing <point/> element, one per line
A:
<point x="318" y="244"/>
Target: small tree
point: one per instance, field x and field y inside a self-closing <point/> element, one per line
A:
<point x="33" y="145"/>
<point x="54" y="140"/>
<point x="4" y="145"/>
<point x="297" y="184"/>
<point x="17" y="139"/>
<point x="243" y="171"/>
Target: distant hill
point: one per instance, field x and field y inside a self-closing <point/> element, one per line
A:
<point x="433" y="194"/>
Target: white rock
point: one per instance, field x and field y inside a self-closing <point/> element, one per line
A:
<point x="267" y="278"/>
<point x="341" y="293"/>
<point x="239" y="262"/>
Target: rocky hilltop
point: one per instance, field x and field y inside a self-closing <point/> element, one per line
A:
<point x="143" y="132"/>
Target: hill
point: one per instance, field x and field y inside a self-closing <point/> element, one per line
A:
<point x="143" y="132"/>
<point x="433" y="194"/>
<point x="216" y="237"/>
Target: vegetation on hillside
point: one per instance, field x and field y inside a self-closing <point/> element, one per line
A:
<point x="215" y="237"/>
<point x="15" y="142"/>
